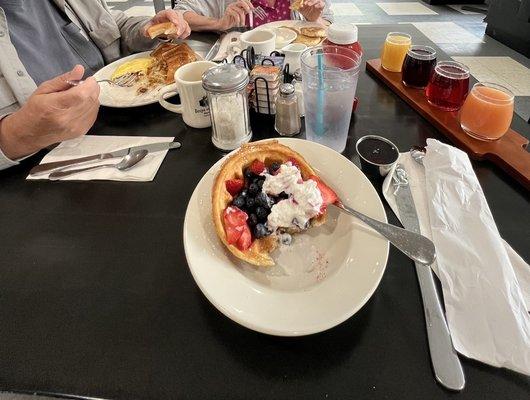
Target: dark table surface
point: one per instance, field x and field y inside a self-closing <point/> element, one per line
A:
<point x="96" y="298"/>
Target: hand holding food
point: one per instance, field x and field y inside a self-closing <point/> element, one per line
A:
<point x="235" y="14"/>
<point x="56" y="111"/>
<point x="311" y="9"/>
<point x="169" y="23"/>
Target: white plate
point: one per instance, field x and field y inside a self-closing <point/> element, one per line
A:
<point x="120" y="97"/>
<point x="321" y="280"/>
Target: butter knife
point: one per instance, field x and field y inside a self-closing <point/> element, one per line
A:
<point x="151" y="148"/>
<point x="446" y="364"/>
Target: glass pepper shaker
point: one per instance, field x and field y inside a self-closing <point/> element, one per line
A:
<point x="297" y="83"/>
<point x="226" y="88"/>
<point x="287" y="120"/>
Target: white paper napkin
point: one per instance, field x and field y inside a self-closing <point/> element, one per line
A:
<point x="486" y="285"/>
<point x="88" y="145"/>
<point x="225" y="48"/>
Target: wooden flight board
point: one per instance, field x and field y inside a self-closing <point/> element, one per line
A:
<point x="509" y="152"/>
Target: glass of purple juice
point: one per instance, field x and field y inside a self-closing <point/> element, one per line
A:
<point x="418" y="66"/>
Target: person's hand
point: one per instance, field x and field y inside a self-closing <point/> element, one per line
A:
<point x="312" y="9"/>
<point x="235" y="14"/>
<point x="55" y="112"/>
<point x="175" y="17"/>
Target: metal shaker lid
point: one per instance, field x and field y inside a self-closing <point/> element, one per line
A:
<point x="225" y="78"/>
<point x="286" y="89"/>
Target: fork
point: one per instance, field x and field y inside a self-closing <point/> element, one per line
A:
<point x="126" y="80"/>
<point x="260" y="12"/>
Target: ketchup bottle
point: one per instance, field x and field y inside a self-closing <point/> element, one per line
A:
<point x="344" y="35"/>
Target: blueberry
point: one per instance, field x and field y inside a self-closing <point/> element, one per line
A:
<point x="253" y="189"/>
<point x="283" y="196"/>
<point x="286" y="239"/>
<point x="260" y="183"/>
<point x="252" y="219"/>
<point x="243" y="193"/>
<point x="250" y="202"/>
<point x="239" y="201"/>
<point x="263" y="200"/>
<point x="275" y="166"/>
<point x="249" y="174"/>
<point x="262" y="213"/>
<point x="260" y="230"/>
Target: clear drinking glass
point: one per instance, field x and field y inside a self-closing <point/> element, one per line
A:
<point x="487" y="112"/>
<point x="329" y="81"/>
<point x="394" y="51"/>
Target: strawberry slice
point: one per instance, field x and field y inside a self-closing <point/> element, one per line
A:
<point x="328" y="195"/>
<point x="233" y="234"/>
<point x="234" y="217"/>
<point x="257" y="167"/>
<point x="234" y="186"/>
<point x="245" y="240"/>
<point x="236" y="228"/>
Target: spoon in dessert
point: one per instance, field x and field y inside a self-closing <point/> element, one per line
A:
<point x="413" y="245"/>
<point x="129" y="161"/>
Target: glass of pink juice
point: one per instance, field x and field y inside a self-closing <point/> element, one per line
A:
<point x="487" y="111"/>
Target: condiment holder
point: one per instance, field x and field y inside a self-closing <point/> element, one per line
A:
<point x="226" y="88"/>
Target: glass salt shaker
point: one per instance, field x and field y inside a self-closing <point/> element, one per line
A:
<point x="297" y="83"/>
<point x="287" y="120"/>
<point x="226" y="88"/>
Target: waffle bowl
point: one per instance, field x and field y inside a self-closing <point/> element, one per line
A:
<point x="233" y="168"/>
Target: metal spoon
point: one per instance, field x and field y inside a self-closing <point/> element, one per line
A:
<point x="129" y="161"/>
<point x="413" y="245"/>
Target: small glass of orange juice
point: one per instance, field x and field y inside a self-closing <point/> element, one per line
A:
<point x="487" y="112"/>
<point x="394" y="51"/>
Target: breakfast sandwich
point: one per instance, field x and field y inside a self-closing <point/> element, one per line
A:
<point x="263" y="194"/>
<point x="164" y="28"/>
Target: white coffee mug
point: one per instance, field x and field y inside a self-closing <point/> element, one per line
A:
<point x="193" y="100"/>
<point x="263" y="41"/>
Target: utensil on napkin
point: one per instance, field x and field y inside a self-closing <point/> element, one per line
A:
<point x="152" y="147"/>
<point x="447" y="368"/>
<point x="90" y="148"/>
<point x="127" y="162"/>
<point x="486" y="285"/>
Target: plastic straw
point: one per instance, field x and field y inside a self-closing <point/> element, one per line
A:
<point x="320" y="96"/>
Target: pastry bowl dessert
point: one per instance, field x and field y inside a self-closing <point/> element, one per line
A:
<point x="263" y="194"/>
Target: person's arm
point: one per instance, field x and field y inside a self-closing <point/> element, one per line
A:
<point x="317" y="11"/>
<point x="207" y="15"/>
<point x="133" y="30"/>
<point x="327" y="13"/>
<point x="201" y="23"/>
<point x="5" y="162"/>
<point x="53" y="113"/>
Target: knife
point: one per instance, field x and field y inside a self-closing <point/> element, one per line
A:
<point x="446" y="364"/>
<point x="151" y="148"/>
<point x="213" y="50"/>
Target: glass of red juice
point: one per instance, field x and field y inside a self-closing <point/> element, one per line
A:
<point x="448" y="86"/>
<point x="418" y="66"/>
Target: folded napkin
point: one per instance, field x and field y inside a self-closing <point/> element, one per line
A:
<point x="486" y="285"/>
<point x="88" y="145"/>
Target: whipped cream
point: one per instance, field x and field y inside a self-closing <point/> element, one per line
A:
<point x="304" y="200"/>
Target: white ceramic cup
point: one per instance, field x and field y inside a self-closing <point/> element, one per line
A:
<point x="193" y="100"/>
<point x="263" y="41"/>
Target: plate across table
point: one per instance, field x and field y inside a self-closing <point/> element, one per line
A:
<point x="320" y="280"/>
